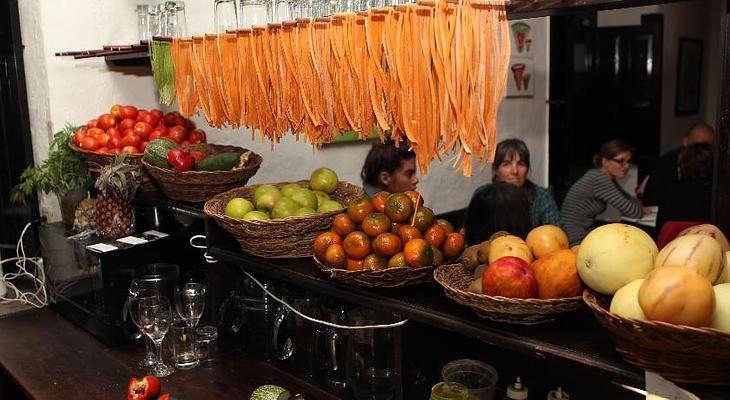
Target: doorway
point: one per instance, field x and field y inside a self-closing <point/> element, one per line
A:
<point x="605" y="83"/>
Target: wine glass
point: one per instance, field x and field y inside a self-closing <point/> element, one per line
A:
<point x="138" y="289"/>
<point x="190" y="302"/>
<point x="154" y="317"/>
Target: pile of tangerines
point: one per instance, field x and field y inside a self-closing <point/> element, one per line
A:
<point x="388" y="231"/>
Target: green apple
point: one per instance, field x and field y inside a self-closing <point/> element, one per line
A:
<point x="305" y="211"/>
<point x="329" y="205"/>
<point x="237" y="207"/>
<point x="262" y="189"/>
<point x="268" y="200"/>
<point x="256" y="216"/>
<point x="289" y="189"/>
<point x="285" y="207"/>
<point x="323" y="179"/>
<point x="321" y="196"/>
<point x="305" y="198"/>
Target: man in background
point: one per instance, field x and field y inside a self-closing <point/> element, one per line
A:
<point x="664" y="173"/>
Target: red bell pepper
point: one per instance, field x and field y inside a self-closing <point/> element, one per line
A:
<point x="166" y="396"/>
<point x="197" y="155"/>
<point x="180" y="160"/>
<point x="146" y="388"/>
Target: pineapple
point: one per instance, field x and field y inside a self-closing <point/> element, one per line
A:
<point x="117" y="182"/>
<point x="85" y="215"/>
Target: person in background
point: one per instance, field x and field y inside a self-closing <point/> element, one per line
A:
<point x="689" y="198"/>
<point x="665" y="170"/>
<point x="389" y="168"/>
<point x="511" y="165"/>
<point x="498" y="207"/>
<point x="589" y="195"/>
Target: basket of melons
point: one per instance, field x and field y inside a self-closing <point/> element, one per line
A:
<point x="281" y="220"/>
<point x="508" y="279"/>
<point x="197" y="172"/>
<point x="661" y="307"/>
<point x="391" y="240"/>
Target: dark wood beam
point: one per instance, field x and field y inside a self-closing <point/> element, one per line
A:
<point x="518" y="9"/>
<point x="721" y="192"/>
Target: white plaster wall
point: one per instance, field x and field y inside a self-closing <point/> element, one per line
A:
<point x="695" y="19"/>
<point x="67" y="90"/>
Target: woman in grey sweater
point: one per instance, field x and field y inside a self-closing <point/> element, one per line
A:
<point x="589" y="196"/>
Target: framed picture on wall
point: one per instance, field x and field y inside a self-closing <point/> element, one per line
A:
<point x="689" y="76"/>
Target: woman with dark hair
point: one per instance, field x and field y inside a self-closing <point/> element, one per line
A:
<point x="589" y="195"/>
<point x="688" y="197"/>
<point x="497" y="207"/>
<point x="389" y="168"/>
<point x="511" y="165"/>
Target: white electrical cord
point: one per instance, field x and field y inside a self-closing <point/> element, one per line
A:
<point x="213" y="260"/>
<point x="37" y="298"/>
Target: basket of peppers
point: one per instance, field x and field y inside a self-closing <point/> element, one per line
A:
<point x="198" y="172"/>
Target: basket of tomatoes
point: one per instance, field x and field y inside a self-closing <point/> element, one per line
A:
<point x="391" y="240"/>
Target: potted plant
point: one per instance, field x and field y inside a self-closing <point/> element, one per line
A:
<point x="63" y="173"/>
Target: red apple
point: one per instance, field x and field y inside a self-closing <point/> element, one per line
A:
<point x="509" y="277"/>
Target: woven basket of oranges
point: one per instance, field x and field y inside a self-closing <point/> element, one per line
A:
<point x="391" y="240"/>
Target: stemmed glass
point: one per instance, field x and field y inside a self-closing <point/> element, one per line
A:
<point x="190" y="302"/>
<point x="154" y="317"/>
<point x="139" y="289"/>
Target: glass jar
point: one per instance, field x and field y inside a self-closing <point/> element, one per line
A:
<point x="207" y="337"/>
<point x="449" y="391"/>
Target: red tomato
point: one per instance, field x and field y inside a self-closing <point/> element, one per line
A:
<point x="115" y="142"/>
<point x="116" y="111"/>
<point x="171" y="118"/>
<point x="80" y="135"/>
<point x="142" y="146"/>
<point x="157" y="113"/>
<point x="106" y="121"/>
<point x="196" y="136"/>
<point x="91" y="124"/>
<point x="103" y="150"/>
<point x="140" y="115"/>
<point x="155" y="135"/>
<point x="128" y="132"/>
<point x="89" y="143"/>
<point x="103" y="139"/>
<point x="114" y="132"/>
<point x="185" y="143"/>
<point x="127" y="123"/>
<point x="130" y="150"/>
<point x="162" y="128"/>
<point x="142" y="129"/>
<point x="177" y="133"/>
<point x="188" y="124"/>
<point x="129" y="112"/>
<point x="116" y="151"/>
<point x="131" y="140"/>
<point x="151" y="119"/>
<point x="94" y="132"/>
<point x="198" y="155"/>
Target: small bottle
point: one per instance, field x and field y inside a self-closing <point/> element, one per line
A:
<point x="558" y="394"/>
<point x="517" y="391"/>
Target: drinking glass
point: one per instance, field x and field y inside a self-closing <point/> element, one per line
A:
<point x="253" y="12"/>
<point x="185" y="349"/>
<point x="143" y="29"/>
<point x="140" y="289"/>
<point x="154" y="320"/>
<point x="225" y="15"/>
<point x="182" y="22"/>
<point x="190" y="302"/>
<point x="171" y="26"/>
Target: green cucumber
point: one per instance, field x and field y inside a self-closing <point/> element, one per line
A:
<point x="156" y="152"/>
<point x="218" y="162"/>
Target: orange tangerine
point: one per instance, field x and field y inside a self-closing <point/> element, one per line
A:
<point x="357" y="245"/>
<point x="323" y="240"/>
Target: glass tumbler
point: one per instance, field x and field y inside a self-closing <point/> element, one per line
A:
<point x="225" y="15"/>
<point x="182" y="22"/>
<point x="207" y="346"/>
<point x="253" y="12"/>
<point x="143" y="29"/>
<point x="185" y="349"/>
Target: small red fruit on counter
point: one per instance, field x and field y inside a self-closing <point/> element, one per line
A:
<point x="131" y="140"/>
<point x="128" y="112"/>
<point x="142" y="129"/>
<point x="127" y="123"/>
<point x="147" y="387"/>
<point x="509" y="277"/>
<point x="89" y="143"/>
<point x="198" y="155"/>
<point x="106" y="121"/>
<point x="116" y="111"/>
<point x="196" y="136"/>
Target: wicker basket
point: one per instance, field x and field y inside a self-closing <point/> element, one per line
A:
<point x="97" y="160"/>
<point x="680" y="353"/>
<point x="385" y="278"/>
<point x="278" y="238"/>
<point x="199" y="186"/>
<point x="456" y="280"/>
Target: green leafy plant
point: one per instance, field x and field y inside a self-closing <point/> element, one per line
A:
<point x="63" y="171"/>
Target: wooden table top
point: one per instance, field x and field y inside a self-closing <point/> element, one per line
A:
<point x="50" y="358"/>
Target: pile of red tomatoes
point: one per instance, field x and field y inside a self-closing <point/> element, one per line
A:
<point x="129" y="129"/>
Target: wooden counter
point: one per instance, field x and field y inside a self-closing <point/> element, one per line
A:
<point x="48" y="357"/>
